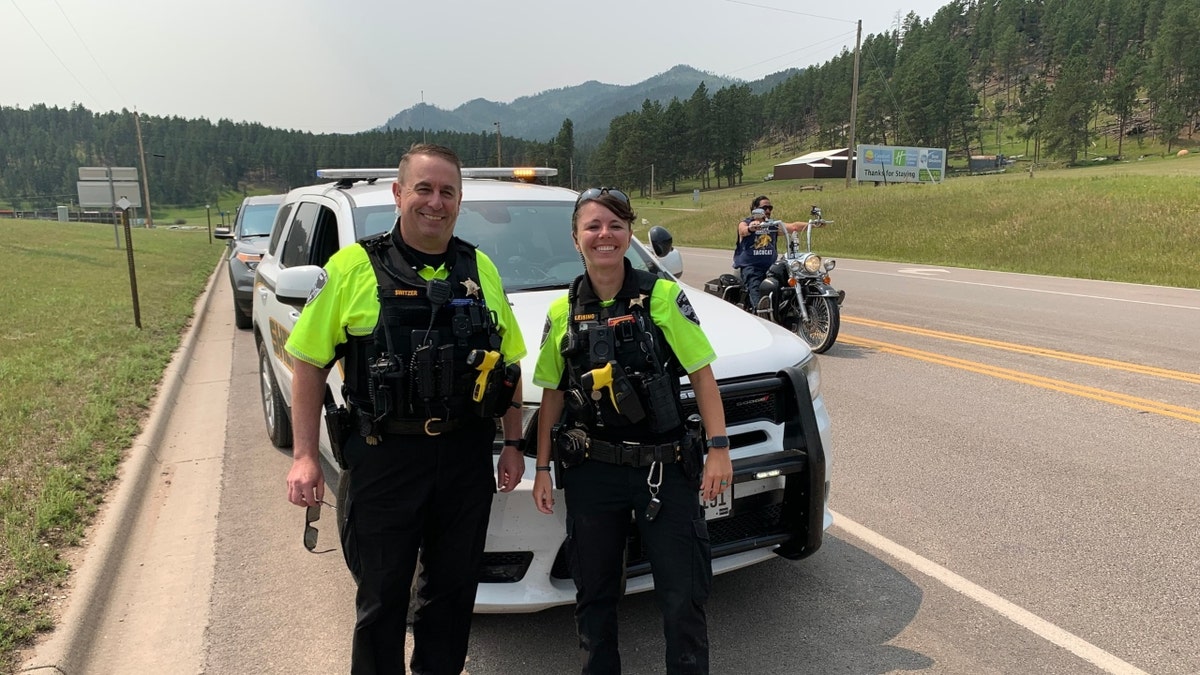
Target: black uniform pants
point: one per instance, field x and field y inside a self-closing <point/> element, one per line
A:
<point x="410" y="493"/>
<point x="599" y="499"/>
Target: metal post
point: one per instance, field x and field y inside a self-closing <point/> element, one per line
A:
<point x="133" y="290"/>
<point x="208" y="212"/>
<point x="112" y="206"/>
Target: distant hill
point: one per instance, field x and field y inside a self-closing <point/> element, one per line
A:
<point x="590" y="106"/>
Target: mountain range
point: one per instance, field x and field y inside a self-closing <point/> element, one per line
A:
<point x="590" y="106"/>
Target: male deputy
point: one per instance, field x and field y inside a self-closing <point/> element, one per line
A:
<point x="429" y="342"/>
<point x="755" y="251"/>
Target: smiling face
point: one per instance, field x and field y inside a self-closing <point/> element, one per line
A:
<point x="428" y="193"/>
<point x="601" y="236"/>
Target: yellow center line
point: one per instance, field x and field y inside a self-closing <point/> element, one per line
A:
<point x="1193" y="378"/>
<point x="1134" y="402"/>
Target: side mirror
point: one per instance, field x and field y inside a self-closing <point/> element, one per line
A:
<point x="295" y="284"/>
<point x="222" y="233"/>
<point x="673" y="263"/>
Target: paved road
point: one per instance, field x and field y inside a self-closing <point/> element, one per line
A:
<point x="1008" y="502"/>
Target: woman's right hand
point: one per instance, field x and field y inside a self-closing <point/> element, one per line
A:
<point x="543" y="492"/>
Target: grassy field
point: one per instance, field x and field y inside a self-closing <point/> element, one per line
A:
<point x="1137" y="221"/>
<point x="78" y="375"/>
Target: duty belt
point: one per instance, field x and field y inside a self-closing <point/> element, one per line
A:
<point x="631" y="454"/>
<point x="429" y="427"/>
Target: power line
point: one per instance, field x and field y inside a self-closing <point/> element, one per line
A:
<point x="54" y="53"/>
<point x="790" y="11"/>
<point x="82" y="42"/>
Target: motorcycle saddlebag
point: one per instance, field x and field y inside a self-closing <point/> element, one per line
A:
<point x="727" y="287"/>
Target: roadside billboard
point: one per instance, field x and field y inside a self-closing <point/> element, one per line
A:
<point x="900" y="164"/>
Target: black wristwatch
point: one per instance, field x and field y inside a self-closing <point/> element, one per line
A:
<point x="518" y="443"/>
<point x="719" y="442"/>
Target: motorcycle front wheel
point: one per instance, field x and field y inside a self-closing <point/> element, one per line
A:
<point x="824" y="319"/>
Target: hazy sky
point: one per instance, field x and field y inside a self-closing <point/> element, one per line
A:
<point x="344" y="66"/>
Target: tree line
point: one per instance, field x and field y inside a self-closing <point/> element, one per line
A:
<point x="193" y="161"/>
<point x="1057" y="73"/>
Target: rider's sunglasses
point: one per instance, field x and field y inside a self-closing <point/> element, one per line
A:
<point x="311" y="515"/>
<point x="767" y="207"/>
<point x="593" y="193"/>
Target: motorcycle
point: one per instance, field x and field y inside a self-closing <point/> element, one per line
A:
<point x="796" y="292"/>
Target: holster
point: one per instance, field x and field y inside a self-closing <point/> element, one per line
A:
<point x="691" y="454"/>
<point x="339" y="426"/>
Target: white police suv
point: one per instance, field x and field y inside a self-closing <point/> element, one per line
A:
<point x="769" y="379"/>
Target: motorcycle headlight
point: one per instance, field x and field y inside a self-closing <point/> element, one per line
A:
<point x="829" y="265"/>
<point x="795" y="268"/>
<point x="812" y="264"/>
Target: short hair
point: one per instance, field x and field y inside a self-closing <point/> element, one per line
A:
<point x="429" y="150"/>
<point x="618" y="206"/>
<point x="757" y="200"/>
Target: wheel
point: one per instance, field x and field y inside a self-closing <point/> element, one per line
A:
<point x="241" y="319"/>
<point x="275" y="412"/>
<point x="821" y="328"/>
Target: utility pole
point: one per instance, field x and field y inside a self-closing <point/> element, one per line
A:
<point x="651" y="181"/>
<point x="424" y="136"/>
<point x="145" y="174"/>
<point x="498" y="160"/>
<point x="850" y="152"/>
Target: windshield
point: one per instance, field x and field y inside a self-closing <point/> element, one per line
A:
<point x="530" y="242"/>
<point x="257" y="219"/>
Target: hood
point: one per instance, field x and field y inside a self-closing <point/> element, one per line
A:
<point x="745" y="345"/>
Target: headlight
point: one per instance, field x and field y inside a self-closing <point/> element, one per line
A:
<point x="249" y="259"/>
<point x="812" y="371"/>
<point x="795" y="268"/>
<point x="812" y="264"/>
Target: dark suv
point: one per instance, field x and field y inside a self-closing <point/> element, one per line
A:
<point x="247" y="243"/>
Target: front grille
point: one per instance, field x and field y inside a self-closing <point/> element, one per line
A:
<point x="745" y="401"/>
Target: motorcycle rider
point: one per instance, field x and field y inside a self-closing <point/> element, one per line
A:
<point x="756" y="248"/>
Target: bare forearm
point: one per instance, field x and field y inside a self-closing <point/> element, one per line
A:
<point x="308" y="394"/>
<point x="548" y="414"/>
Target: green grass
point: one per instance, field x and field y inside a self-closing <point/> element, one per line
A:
<point x="78" y="376"/>
<point x="1136" y="221"/>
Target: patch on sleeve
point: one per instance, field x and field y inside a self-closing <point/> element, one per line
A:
<point x="316" y="290"/>
<point x="685" y="308"/>
<point x="545" y="330"/>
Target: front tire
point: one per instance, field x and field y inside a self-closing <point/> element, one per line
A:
<point x="275" y="412"/>
<point x="820" y="330"/>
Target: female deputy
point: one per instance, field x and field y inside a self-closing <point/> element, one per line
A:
<point x="609" y="365"/>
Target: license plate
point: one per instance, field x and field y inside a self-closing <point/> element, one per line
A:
<point x="719" y="506"/>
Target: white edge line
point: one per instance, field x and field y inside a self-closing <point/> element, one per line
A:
<point x="1022" y="617"/>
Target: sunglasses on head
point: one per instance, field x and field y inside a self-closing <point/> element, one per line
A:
<point x="593" y="193"/>
<point x="311" y="515"/>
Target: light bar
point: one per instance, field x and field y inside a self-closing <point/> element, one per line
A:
<point x="355" y="174"/>
<point x="524" y="173"/>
